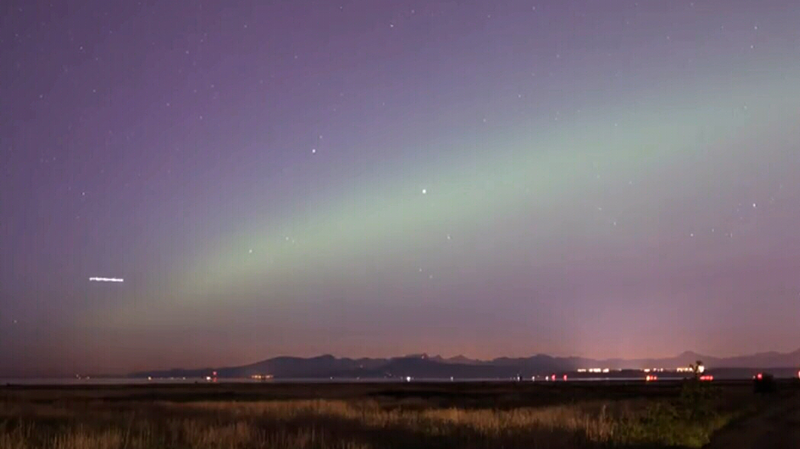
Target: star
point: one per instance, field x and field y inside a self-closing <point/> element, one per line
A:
<point x="424" y="191"/>
<point x="250" y="251"/>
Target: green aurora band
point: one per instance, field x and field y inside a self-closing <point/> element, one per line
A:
<point x="484" y="178"/>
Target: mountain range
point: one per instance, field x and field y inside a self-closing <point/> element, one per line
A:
<point x="437" y="367"/>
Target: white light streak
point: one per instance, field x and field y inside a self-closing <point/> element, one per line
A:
<point x="96" y="279"/>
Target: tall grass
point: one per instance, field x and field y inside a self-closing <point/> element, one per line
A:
<point x="337" y="424"/>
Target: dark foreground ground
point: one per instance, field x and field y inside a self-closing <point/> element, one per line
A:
<point x="411" y="415"/>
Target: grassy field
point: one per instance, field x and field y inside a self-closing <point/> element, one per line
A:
<point x="356" y="416"/>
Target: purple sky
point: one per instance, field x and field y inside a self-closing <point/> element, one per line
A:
<point x="373" y="178"/>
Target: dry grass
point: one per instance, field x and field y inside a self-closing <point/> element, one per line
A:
<point x="332" y="424"/>
<point x="591" y="421"/>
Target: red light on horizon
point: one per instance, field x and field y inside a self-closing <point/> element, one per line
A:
<point x="707" y="378"/>
<point x="565" y="377"/>
<point x="759" y="376"/>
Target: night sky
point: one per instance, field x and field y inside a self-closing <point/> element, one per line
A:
<point x="376" y="178"/>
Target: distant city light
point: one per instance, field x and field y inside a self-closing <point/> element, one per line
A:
<point x="96" y="279"/>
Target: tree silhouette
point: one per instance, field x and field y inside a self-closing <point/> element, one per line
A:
<point x="697" y="368"/>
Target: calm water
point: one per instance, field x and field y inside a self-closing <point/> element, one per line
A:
<point x="189" y="381"/>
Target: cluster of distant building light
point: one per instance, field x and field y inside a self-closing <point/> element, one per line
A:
<point x="594" y="370"/>
<point x="680" y="369"/>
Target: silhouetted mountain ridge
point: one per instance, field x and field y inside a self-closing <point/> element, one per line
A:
<point x="461" y="367"/>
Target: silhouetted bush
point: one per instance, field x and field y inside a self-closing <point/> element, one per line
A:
<point x="764" y="384"/>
